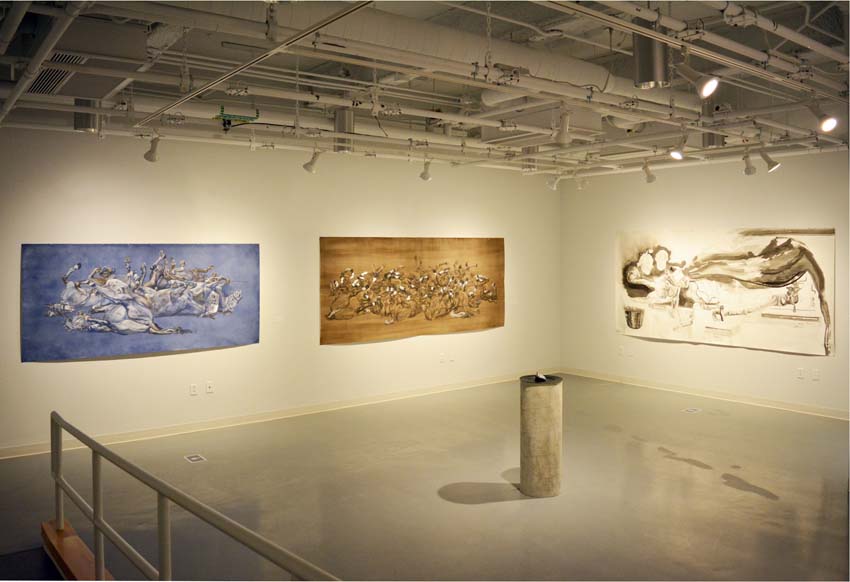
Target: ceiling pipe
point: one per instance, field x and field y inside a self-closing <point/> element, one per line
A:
<point x="792" y="129"/>
<point x="737" y="15"/>
<point x="770" y="110"/>
<point x="10" y="25"/>
<point x="295" y="38"/>
<point x="57" y="29"/>
<point x="717" y="40"/>
<point x="174" y="80"/>
<point x="412" y="38"/>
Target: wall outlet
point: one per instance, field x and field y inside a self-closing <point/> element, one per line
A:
<point x="442" y="358"/>
<point x="193" y="389"/>
<point x="801" y="373"/>
<point x="210" y="387"/>
<point x="815" y="375"/>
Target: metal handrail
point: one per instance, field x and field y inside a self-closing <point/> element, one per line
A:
<point x="300" y="568"/>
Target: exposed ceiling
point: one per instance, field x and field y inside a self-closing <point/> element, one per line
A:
<point x="537" y="87"/>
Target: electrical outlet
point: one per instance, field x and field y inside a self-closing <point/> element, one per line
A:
<point x="815" y="375"/>
<point x="442" y="358"/>
<point x="210" y="387"/>
<point x="193" y="389"/>
<point x="801" y="373"/>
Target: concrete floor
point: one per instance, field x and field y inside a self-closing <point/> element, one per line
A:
<point x="421" y="489"/>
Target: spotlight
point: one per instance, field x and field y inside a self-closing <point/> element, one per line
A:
<point x="705" y="85"/>
<point x="310" y="166"/>
<point x="581" y="183"/>
<point x="826" y="122"/>
<point x="771" y="163"/>
<point x="677" y="152"/>
<point x="650" y="177"/>
<point x="426" y="171"/>
<point x="552" y="182"/>
<point x="749" y="168"/>
<point x="151" y="155"/>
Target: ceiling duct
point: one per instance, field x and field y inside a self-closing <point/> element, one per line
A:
<point x="343" y="123"/>
<point x="88" y="122"/>
<point x="49" y="81"/>
<point x="650" y="62"/>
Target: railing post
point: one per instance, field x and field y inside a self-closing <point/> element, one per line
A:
<point x="56" y="470"/>
<point x="163" y="515"/>
<point x="97" y="508"/>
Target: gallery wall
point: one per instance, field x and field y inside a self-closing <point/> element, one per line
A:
<point x="807" y="191"/>
<point x="72" y="188"/>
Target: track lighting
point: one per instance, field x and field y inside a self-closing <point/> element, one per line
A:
<point x="151" y="155"/>
<point x="771" y="163"/>
<point x="705" y="85"/>
<point x="677" y="152"/>
<point x="310" y="166"/>
<point x="553" y="181"/>
<point x="426" y="171"/>
<point x="749" y="168"/>
<point x="650" y="177"/>
<point x="826" y="122"/>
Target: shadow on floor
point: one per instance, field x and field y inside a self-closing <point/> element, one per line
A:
<point x="476" y="493"/>
<point x="28" y="565"/>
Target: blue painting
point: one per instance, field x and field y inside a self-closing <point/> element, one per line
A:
<point x="103" y="300"/>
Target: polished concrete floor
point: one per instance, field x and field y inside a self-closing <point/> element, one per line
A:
<point x="422" y="489"/>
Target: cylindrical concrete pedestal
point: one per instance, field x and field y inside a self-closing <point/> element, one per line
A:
<point x="541" y="430"/>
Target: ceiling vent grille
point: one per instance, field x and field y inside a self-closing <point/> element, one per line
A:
<point x="49" y="81"/>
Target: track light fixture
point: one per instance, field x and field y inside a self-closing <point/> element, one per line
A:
<point x="151" y="155"/>
<point x="650" y="177"/>
<point x="552" y="182"/>
<point x="310" y="166"/>
<point x="826" y="122"/>
<point x="705" y="85"/>
<point x="771" y="163"/>
<point x="749" y="168"/>
<point x="677" y="152"/>
<point x="426" y="171"/>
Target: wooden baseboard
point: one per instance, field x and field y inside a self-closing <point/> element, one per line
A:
<point x="837" y="414"/>
<point x="68" y="551"/>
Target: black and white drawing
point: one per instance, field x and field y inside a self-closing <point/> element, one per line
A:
<point x="770" y="289"/>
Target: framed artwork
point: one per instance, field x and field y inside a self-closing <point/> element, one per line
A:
<point x="83" y="301"/>
<point x="387" y="288"/>
<point x="769" y="289"/>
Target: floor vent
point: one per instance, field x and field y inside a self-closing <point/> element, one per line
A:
<point x="195" y="458"/>
<point x="49" y="81"/>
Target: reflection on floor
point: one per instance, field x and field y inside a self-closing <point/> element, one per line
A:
<point x="423" y="488"/>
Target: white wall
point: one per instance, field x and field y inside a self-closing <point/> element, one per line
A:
<point x="68" y="188"/>
<point x="807" y="191"/>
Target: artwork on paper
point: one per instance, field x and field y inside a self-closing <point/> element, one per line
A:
<point x="769" y="289"/>
<point x="388" y="288"/>
<point x="83" y="301"/>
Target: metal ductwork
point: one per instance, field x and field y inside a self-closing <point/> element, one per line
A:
<point x="343" y="123"/>
<point x="651" y="62"/>
<point x="88" y="122"/>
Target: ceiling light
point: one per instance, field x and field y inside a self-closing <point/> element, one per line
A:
<point x="771" y="163"/>
<point x="310" y="166"/>
<point x="706" y="85"/>
<point x="151" y="155"/>
<point x="650" y="177"/>
<point x="426" y="171"/>
<point x="677" y="152"/>
<point x="650" y="58"/>
<point x="552" y="182"/>
<point x="826" y="122"/>
<point x="749" y="168"/>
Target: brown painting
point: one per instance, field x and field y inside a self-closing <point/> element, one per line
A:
<point x="388" y="288"/>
